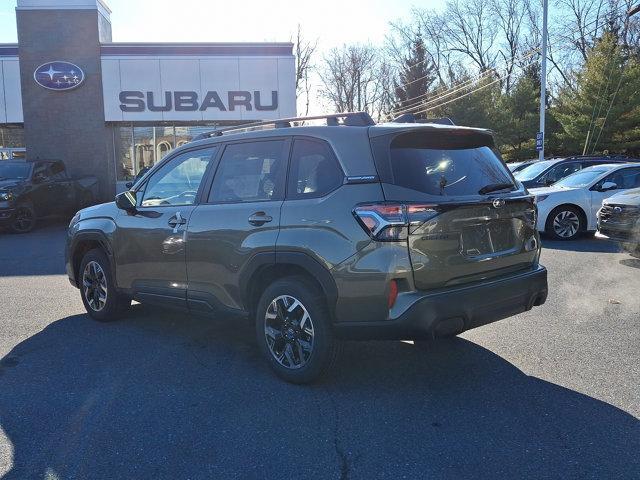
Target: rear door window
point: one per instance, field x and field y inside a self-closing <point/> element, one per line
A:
<point x="454" y="168"/>
<point x="314" y="170"/>
<point x="560" y="171"/>
<point x="250" y="172"/>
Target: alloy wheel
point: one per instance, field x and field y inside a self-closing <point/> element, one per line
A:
<point x="23" y="221"/>
<point x="94" y="284"/>
<point x="566" y="224"/>
<point x="288" y="330"/>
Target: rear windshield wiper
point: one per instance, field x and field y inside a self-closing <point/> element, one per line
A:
<point x="494" y="187"/>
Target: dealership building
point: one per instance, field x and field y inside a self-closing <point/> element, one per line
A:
<point x="109" y="109"/>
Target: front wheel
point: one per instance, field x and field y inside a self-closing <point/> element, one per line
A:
<point x="24" y="219"/>
<point x="565" y="223"/>
<point x="99" y="295"/>
<point x="293" y="330"/>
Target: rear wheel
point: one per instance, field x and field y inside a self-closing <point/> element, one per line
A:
<point x="97" y="289"/>
<point x="565" y="223"/>
<point x="24" y="219"/>
<point x="293" y="330"/>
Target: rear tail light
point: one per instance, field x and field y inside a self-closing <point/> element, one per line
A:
<point x="389" y="222"/>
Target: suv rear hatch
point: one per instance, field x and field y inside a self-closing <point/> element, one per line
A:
<point x="466" y="218"/>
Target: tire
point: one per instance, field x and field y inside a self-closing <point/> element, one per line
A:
<point x="24" y="219"/>
<point x="298" y="344"/>
<point x="565" y="222"/>
<point x="95" y="277"/>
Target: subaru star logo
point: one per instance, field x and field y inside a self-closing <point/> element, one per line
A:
<point x="498" y="203"/>
<point x="58" y="75"/>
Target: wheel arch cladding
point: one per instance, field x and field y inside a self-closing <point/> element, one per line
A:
<point x="85" y="242"/>
<point x="264" y="269"/>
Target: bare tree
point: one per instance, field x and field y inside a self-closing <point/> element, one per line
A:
<point x="352" y="78"/>
<point x="304" y="53"/>
<point x="471" y="31"/>
<point x="510" y="15"/>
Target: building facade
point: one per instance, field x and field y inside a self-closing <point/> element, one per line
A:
<point x="110" y="109"/>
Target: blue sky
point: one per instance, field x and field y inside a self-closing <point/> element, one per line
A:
<point x="333" y="22"/>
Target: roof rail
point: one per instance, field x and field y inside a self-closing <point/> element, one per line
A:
<point x="349" y="119"/>
<point x="411" y="118"/>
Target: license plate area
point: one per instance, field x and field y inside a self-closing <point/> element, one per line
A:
<point x="495" y="237"/>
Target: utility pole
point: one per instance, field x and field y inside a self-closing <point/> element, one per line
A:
<point x="543" y="81"/>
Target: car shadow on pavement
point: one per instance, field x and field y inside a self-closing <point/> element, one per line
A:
<point x="584" y="244"/>
<point x="160" y="395"/>
<point x="630" y="262"/>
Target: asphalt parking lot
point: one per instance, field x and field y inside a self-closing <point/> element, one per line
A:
<point x="552" y="393"/>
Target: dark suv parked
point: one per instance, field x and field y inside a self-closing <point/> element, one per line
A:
<point x="320" y="233"/>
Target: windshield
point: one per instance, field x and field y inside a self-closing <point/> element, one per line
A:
<point x="14" y="170"/>
<point x="533" y="170"/>
<point x="581" y="178"/>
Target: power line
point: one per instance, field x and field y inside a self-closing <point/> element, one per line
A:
<point x="454" y="89"/>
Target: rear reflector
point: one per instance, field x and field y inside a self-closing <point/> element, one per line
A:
<point x="389" y="222"/>
<point x="393" y="293"/>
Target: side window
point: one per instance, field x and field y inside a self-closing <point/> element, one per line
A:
<point x="250" y="172"/>
<point x="625" y="178"/>
<point x="177" y="182"/>
<point x="314" y="170"/>
<point x="42" y="172"/>
<point x="58" y="171"/>
<point x="560" y="171"/>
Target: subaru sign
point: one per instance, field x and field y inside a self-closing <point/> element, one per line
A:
<point x="58" y="75"/>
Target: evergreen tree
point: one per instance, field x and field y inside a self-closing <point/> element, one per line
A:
<point x="478" y="109"/>
<point x="605" y="105"/>
<point x="517" y="117"/>
<point x="416" y="76"/>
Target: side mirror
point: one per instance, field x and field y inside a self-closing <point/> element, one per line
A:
<point x="127" y="201"/>
<point x="606" y="186"/>
<point x="548" y="182"/>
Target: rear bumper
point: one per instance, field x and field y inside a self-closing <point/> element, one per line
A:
<point x="454" y="310"/>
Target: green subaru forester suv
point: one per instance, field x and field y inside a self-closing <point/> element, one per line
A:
<point x="349" y="230"/>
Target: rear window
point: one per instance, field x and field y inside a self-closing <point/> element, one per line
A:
<point x="533" y="171"/>
<point x="426" y="165"/>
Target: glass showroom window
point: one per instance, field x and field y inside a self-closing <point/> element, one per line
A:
<point x="123" y="147"/>
<point x="139" y="147"/>
<point x="12" y="136"/>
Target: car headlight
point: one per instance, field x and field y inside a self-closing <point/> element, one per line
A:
<point x="541" y="198"/>
<point x="6" y="196"/>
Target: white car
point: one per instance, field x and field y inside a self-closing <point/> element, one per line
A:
<point x="569" y="207"/>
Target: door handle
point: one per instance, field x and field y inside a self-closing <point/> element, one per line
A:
<point x="259" y="218"/>
<point x="176" y="220"/>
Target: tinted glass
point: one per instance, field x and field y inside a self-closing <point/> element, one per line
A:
<point x="624" y="179"/>
<point x="177" y="182"/>
<point x="560" y="171"/>
<point x="14" y="170"/>
<point x="533" y="170"/>
<point x="580" y="179"/>
<point x="250" y="172"/>
<point x="314" y="170"/>
<point x="451" y="172"/>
